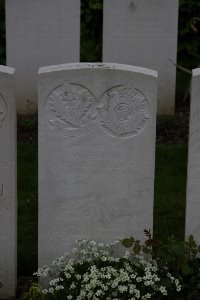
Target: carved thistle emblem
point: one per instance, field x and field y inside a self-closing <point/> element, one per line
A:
<point x="3" y="110"/>
<point x="123" y="111"/>
<point x="71" y="109"/>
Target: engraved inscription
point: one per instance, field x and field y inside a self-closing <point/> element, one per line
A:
<point x="3" y="110"/>
<point x="123" y="111"/>
<point x="71" y="109"/>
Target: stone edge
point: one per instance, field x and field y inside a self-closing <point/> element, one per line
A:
<point x="7" y="70"/>
<point x="111" y="66"/>
<point x="196" y="72"/>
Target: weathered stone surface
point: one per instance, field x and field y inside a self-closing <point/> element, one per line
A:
<point x="193" y="176"/>
<point x="144" y="33"/>
<point x="96" y="154"/>
<point x="8" y="199"/>
<point x="39" y="33"/>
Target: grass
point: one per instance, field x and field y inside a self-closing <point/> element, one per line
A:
<point x="27" y="208"/>
<point x="170" y="191"/>
<point x="169" y="207"/>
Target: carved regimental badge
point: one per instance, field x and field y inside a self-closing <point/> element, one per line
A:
<point x="71" y="109"/>
<point x="3" y="110"/>
<point x="123" y="111"/>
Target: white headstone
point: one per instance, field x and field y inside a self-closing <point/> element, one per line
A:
<point x="39" y="33"/>
<point x="8" y="199"/>
<point x="144" y="33"/>
<point x="96" y="154"/>
<point x="193" y="176"/>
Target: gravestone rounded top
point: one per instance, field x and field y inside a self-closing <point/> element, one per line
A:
<point x="196" y="72"/>
<point x="8" y="70"/>
<point x="112" y="66"/>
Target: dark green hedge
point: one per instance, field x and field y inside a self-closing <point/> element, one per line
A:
<point x="2" y="33"/>
<point x="189" y="33"/>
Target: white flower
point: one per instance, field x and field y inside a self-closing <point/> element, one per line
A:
<point x="163" y="290"/>
<point x="104" y="258"/>
<point x="93" y="243"/>
<point x="134" y="272"/>
<point x="55" y="281"/>
<point x="42" y="272"/>
<point x="67" y="275"/>
<point x="139" y="279"/>
<point x="59" y="287"/>
<point x="72" y="286"/>
<point x="122" y="288"/>
<point x="104" y="287"/>
<point x="115" y="283"/>
<point x="51" y="290"/>
<point x="147" y="296"/>
<point x="137" y="294"/>
<point x="99" y="292"/>
<point x="127" y="254"/>
<point x="178" y="288"/>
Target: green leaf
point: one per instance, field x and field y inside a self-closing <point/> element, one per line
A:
<point x="178" y="250"/>
<point x="96" y="4"/>
<point x="192" y="242"/>
<point x="186" y="270"/>
<point x="127" y="242"/>
<point x="137" y="248"/>
<point x="146" y="250"/>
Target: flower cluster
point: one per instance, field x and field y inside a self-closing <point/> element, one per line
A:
<point x="95" y="271"/>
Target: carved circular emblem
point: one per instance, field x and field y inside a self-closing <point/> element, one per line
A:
<point x="3" y="110"/>
<point x="71" y="110"/>
<point x="123" y="111"/>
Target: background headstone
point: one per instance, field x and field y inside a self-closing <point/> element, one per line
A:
<point x="8" y="199"/>
<point x="144" y="33"/>
<point x="39" y="33"/>
<point x="193" y="176"/>
<point x="96" y="154"/>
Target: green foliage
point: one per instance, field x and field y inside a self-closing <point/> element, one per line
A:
<point x="34" y="293"/>
<point x="2" y="33"/>
<point x="27" y="203"/>
<point x="175" y="264"/>
<point x="180" y="257"/>
<point x="189" y="33"/>
<point x="27" y="124"/>
<point x="95" y="271"/>
<point x="91" y="30"/>
<point x="170" y="183"/>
